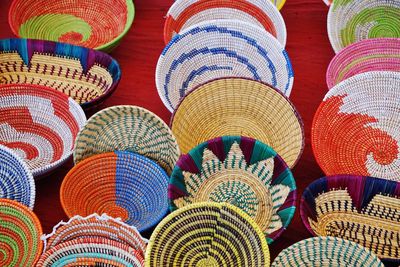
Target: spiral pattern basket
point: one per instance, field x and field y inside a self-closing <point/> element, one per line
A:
<point x="326" y="251"/>
<point x="237" y="106"/>
<point x="207" y="234"/>
<point x="122" y="184"/>
<point x="361" y="209"/>
<point x="97" y="24"/>
<point x="350" y="21"/>
<point x="16" y="181"/>
<point x="86" y="75"/>
<point x="221" y="48"/>
<point x="20" y="231"/>
<point x="40" y="124"/>
<point x="91" y="252"/>
<point x="241" y="171"/>
<point x="184" y="14"/>
<point x="379" y="54"/>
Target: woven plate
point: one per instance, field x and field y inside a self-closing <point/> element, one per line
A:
<point x="241" y="171"/>
<point x="16" y="181"/>
<point x="326" y="251"/>
<point x="221" y="48"/>
<point x="86" y="75"/>
<point x="122" y="184"/>
<point x="350" y="21"/>
<point x="356" y="129"/>
<point x="40" y="124"/>
<point x="380" y="54"/>
<point x="207" y="234"/>
<point x="236" y="106"/>
<point x="361" y="209"/>
<point x="73" y="21"/>
<point x="184" y="14"/>
<point x="20" y="231"/>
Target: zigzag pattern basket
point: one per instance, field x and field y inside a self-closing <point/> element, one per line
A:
<point x="241" y="171"/>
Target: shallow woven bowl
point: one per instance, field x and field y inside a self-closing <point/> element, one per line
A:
<point x="356" y="128"/>
<point x="221" y="48"/>
<point x="241" y="171"/>
<point x="16" y="181"/>
<point x="350" y="21"/>
<point x="97" y="24"/>
<point x="379" y="54"/>
<point x="122" y="184"/>
<point x="207" y="234"/>
<point x="264" y="14"/>
<point x="326" y="251"/>
<point x="20" y="232"/>
<point x="86" y="75"/>
<point x="237" y="106"/>
<point x="40" y="124"/>
<point x="128" y="128"/>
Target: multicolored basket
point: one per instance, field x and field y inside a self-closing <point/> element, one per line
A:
<point x="86" y="75"/>
<point x="356" y="129"/>
<point x="350" y="21"/>
<point x="361" y="209"/>
<point x="217" y="49"/>
<point x="207" y="234"/>
<point x="237" y="106"/>
<point x="16" y="181"/>
<point x="98" y="24"/>
<point x="40" y="124"/>
<point x="326" y="251"/>
<point x="184" y="14"/>
<point x="128" y="128"/>
<point x="241" y="171"/>
<point x="122" y="184"/>
<point x="20" y="231"/>
<point x="379" y="54"/>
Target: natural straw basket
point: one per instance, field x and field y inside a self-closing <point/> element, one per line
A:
<point x="356" y="129"/>
<point x="207" y="234"/>
<point x="241" y="171"/>
<point x="128" y="128"/>
<point x="122" y="184"/>
<point x="97" y="24"/>
<point x="20" y="232"/>
<point x="16" y="181"/>
<point x="350" y="21"/>
<point x="221" y="48"/>
<point x="379" y="54"/>
<point x="40" y="124"/>
<point x="237" y="106"/>
<point x="361" y="209"/>
<point x="86" y="75"/>
<point x="184" y="14"/>
<point x="326" y="251"/>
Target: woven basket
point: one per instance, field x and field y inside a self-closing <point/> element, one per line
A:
<point x="241" y="171"/>
<point x="98" y="24"/>
<point x="40" y="124"/>
<point x="207" y="234"/>
<point x="379" y="54"/>
<point x="221" y="48"/>
<point x="361" y="209"/>
<point x="16" y="181"/>
<point x="236" y="106"/>
<point x="122" y="184"/>
<point x="356" y="129"/>
<point x="350" y="21"/>
<point x="86" y="75"/>
<point x="326" y="251"/>
<point x="128" y="128"/>
<point x="20" y="232"/>
<point x="184" y="14"/>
